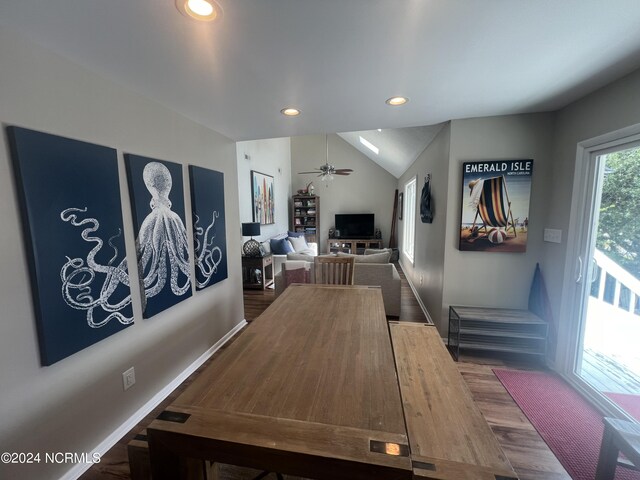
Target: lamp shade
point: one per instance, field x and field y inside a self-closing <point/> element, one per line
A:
<point x="251" y="229"/>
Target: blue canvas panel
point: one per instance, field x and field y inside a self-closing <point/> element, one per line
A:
<point x="209" y="231"/>
<point x="70" y="202"/>
<point x="157" y="200"/>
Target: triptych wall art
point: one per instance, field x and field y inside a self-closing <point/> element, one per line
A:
<point x="209" y="237"/>
<point x="157" y="203"/>
<point x="73" y="227"/>
<point x="72" y="218"/>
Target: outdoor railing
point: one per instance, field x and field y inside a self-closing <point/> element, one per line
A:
<point x="614" y="285"/>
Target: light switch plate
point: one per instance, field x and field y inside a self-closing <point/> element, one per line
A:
<point x="552" y="235"/>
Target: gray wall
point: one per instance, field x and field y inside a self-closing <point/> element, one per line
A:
<point x="430" y="238"/>
<point x="452" y="277"/>
<point x="76" y="403"/>
<point x="496" y="279"/>
<point x="369" y="189"/>
<point x="272" y="157"/>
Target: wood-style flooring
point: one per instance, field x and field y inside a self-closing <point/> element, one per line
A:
<point x="527" y="452"/>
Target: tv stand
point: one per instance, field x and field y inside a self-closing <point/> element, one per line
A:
<point x="352" y="245"/>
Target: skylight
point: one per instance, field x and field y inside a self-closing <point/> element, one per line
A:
<point x="369" y="145"/>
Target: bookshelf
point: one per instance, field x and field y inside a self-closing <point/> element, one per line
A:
<point x="306" y="216"/>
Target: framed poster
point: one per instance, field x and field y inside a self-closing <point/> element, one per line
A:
<point x="209" y="234"/>
<point x="72" y="217"/>
<point x="495" y="205"/>
<point x="262" y="198"/>
<point x="157" y="201"/>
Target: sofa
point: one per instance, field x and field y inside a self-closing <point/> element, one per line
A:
<point x="384" y="275"/>
<point x="279" y="259"/>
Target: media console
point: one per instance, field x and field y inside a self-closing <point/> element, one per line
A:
<point x="352" y="245"/>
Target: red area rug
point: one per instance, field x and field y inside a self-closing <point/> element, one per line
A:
<point x="630" y="403"/>
<point x="568" y="424"/>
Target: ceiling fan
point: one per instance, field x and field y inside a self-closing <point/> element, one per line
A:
<point x="326" y="171"/>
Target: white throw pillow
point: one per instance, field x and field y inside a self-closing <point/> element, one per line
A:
<point x="298" y="243"/>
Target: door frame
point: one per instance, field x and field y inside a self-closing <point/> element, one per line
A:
<point x="579" y="240"/>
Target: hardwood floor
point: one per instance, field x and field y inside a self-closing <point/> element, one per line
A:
<point x="527" y="452"/>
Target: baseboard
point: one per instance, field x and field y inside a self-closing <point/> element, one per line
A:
<point x="415" y="294"/>
<point x="137" y="417"/>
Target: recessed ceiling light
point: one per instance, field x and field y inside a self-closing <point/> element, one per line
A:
<point x="369" y="145"/>
<point x="206" y="10"/>
<point x="379" y="129"/>
<point x="396" y="101"/>
<point x="290" y="112"/>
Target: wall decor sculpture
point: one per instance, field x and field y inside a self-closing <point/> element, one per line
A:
<point x="71" y="211"/>
<point x="262" y="198"/>
<point x="495" y="205"/>
<point x="209" y="232"/>
<point x="157" y="199"/>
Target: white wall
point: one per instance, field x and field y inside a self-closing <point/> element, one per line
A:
<point x="429" y="237"/>
<point x="369" y="189"/>
<point x="495" y="279"/>
<point x="271" y="157"/>
<point x="76" y="403"/>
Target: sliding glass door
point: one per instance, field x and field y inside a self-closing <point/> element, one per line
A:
<point x="606" y="362"/>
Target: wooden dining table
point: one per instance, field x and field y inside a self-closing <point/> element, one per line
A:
<point x="308" y="389"/>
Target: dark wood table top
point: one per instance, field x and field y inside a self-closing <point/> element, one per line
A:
<point x="308" y="389"/>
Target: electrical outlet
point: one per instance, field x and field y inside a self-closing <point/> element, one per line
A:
<point x="421" y="279"/>
<point x="129" y="378"/>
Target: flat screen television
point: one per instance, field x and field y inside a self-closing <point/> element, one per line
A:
<point x="355" y="225"/>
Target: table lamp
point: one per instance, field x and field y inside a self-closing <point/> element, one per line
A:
<point x="251" y="248"/>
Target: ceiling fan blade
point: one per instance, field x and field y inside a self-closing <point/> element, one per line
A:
<point x="341" y="173"/>
<point x="303" y="173"/>
<point x="344" y="170"/>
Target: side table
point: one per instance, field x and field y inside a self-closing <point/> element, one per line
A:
<point x="257" y="272"/>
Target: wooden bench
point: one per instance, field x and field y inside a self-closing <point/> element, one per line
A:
<point x="619" y="436"/>
<point x="140" y="465"/>
<point x="449" y="439"/>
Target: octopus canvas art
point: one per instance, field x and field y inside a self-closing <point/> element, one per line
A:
<point x="71" y="209"/>
<point x="157" y="198"/>
<point x="209" y="231"/>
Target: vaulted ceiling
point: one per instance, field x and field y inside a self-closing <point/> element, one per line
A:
<point x="339" y="60"/>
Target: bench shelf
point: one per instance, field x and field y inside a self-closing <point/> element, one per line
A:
<point x="497" y="330"/>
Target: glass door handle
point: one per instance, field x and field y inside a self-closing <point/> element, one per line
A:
<point x="579" y="272"/>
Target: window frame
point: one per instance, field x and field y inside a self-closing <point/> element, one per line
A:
<point x="409" y="217"/>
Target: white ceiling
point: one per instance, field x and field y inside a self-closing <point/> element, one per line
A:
<point x="338" y="60"/>
<point x="398" y="147"/>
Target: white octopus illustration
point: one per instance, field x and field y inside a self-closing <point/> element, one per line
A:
<point x="162" y="240"/>
<point x="78" y="277"/>
<point x="161" y="243"/>
<point x="206" y="261"/>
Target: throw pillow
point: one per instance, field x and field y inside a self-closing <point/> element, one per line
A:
<point x="295" y="234"/>
<point x="281" y="246"/>
<point x="298" y="275"/>
<point x="298" y="243"/>
<point x="382" y="257"/>
<point x="373" y="258"/>
<point x="369" y="251"/>
<point x="299" y="256"/>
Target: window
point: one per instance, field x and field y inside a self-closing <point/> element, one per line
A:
<point x="409" y="214"/>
